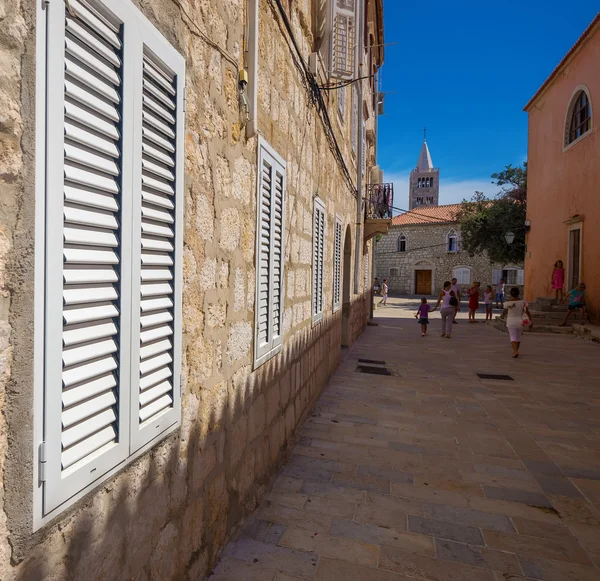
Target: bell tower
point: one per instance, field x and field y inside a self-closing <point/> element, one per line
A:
<point x="424" y="188"/>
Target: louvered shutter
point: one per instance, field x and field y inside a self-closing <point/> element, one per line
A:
<point x="157" y="240"/>
<point x="520" y="277"/>
<point x="354" y="128"/>
<point x="342" y="63"/>
<point x="496" y="276"/>
<point x="364" y="147"/>
<point x="337" y="265"/>
<point x="270" y="227"/>
<point x="318" y="259"/>
<point x="85" y="418"/>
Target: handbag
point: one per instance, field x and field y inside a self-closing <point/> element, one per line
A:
<point x="525" y="321"/>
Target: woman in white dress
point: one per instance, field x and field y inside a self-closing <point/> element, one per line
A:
<point x="514" y="309"/>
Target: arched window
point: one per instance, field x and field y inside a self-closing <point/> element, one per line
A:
<point x="579" y="117"/>
<point x="462" y="274"/>
<point x="402" y="243"/>
<point x="452" y="241"/>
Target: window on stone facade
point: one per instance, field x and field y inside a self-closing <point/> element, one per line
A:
<point x="337" y="265"/>
<point x="511" y="276"/>
<point x="113" y="246"/>
<point x="269" y="254"/>
<point x="342" y="103"/>
<point x="452" y="241"/>
<point x="419" y="201"/>
<point x="393" y="272"/>
<point x="431" y="182"/>
<point x="318" y="259"/>
<point x="580" y="119"/>
<point x="429" y="200"/>
<point x="402" y="243"/>
<point x="462" y="275"/>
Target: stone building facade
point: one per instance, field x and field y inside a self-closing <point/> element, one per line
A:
<point x="422" y="250"/>
<point x="165" y="511"/>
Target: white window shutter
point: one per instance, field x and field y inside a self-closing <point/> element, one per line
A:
<point x="337" y="264"/>
<point x="496" y="276"/>
<point x="354" y="128"/>
<point x="318" y="258"/>
<point x="342" y="102"/>
<point x="364" y="147"/>
<point x="157" y="237"/>
<point x="520" y="277"/>
<point x="270" y="240"/>
<point x="342" y="49"/>
<point x="86" y="408"/>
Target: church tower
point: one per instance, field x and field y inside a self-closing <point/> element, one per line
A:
<point x="424" y="189"/>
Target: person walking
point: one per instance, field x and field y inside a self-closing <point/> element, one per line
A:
<point x="456" y="288"/>
<point x="500" y="294"/>
<point x="558" y="279"/>
<point x="514" y="310"/>
<point x="488" y="301"/>
<point x="384" y="292"/>
<point x="447" y="310"/>
<point x="473" y="301"/>
<point x="423" y="316"/>
<point x="577" y="302"/>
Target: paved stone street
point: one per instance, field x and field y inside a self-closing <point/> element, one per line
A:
<point x="435" y="474"/>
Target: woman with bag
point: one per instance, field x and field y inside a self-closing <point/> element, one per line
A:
<point x="517" y="317"/>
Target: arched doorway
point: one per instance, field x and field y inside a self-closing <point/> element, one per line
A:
<point x="346" y="288"/>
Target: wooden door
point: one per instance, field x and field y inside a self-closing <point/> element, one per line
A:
<point x="574" y="258"/>
<point x="423" y="282"/>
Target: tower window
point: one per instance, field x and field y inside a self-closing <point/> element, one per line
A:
<point x="581" y="117"/>
<point x="432" y="182"/>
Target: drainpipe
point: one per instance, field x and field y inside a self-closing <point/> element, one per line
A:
<point x="359" y="157"/>
<point x="252" y="65"/>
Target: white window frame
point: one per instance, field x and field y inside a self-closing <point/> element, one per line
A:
<point x="402" y="238"/>
<point x="354" y="125"/>
<point x="318" y="278"/>
<point x="343" y="39"/>
<point x="460" y="270"/>
<point x="569" y="115"/>
<point x="337" y="264"/>
<point x="452" y="235"/>
<point x="262" y="353"/>
<point x="137" y="32"/>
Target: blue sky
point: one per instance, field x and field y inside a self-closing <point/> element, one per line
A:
<point x="465" y="70"/>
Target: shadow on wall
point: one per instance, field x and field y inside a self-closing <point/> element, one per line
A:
<point x="168" y="515"/>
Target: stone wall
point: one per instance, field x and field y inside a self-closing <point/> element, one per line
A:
<point x="167" y="515"/>
<point x="426" y="249"/>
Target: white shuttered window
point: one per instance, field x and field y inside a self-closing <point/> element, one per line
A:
<point x="113" y="243"/>
<point x="342" y="54"/>
<point x="354" y="125"/>
<point x="318" y="259"/>
<point x="270" y="228"/>
<point x="337" y="264"/>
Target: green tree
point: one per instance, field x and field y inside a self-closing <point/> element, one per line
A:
<point x="484" y="221"/>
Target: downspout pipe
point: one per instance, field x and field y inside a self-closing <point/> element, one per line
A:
<point x="252" y="65"/>
<point x="359" y="156"/>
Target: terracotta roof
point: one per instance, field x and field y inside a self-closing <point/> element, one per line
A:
<point x="428" y="215"/>
<point x="561" y="64"/>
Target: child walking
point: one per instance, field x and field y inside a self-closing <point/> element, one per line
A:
<point x="423" y="316"/>
<point x="514" y="311"/>
<point x="558" y="279"/>
<point x="576" y="303"/>
<point x="488" y="300"/>
<point x="473" y="301"/>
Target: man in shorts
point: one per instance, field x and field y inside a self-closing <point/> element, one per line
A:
<point x="384" y="291"/>
<point x="456" y="288"/>
<point x="500" y="294"/>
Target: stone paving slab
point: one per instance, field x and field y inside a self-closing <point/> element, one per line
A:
<point x="433" y="474"/>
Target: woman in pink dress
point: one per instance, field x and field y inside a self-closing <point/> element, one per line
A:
<point x="558" y="278"/>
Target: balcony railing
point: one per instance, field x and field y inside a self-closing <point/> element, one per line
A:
<point x="379" y="202"/>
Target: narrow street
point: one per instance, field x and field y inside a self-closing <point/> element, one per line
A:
<point x="433" y="473"/>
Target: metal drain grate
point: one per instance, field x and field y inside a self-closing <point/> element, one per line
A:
<point x="497" y="376"/>
<point x="373" y="361"/>
<point x="373" y="370"/>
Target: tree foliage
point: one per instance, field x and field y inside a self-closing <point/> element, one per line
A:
<point x="484" y="221"/>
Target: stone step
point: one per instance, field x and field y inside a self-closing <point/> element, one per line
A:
<point x="548" y="308"/>
<point x="547" y="314"/>
<point x="543" y="327"/>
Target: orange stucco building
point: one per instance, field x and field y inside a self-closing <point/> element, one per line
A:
<point x="563" y="206"/>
